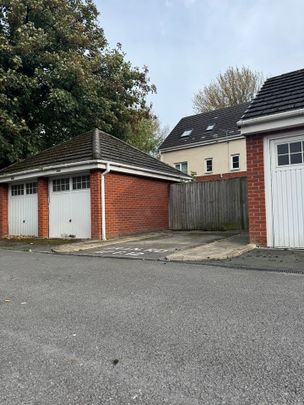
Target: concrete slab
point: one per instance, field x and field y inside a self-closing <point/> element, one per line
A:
<point x="218" y="250"/>
<point x="156" y="246"/>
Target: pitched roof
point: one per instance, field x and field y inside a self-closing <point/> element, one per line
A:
<point x="92" y="145"/>
<point x="225" y="125"/>
<point x="278" y="94"/>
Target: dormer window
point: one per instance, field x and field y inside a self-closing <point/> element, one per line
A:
<point x="187" y="132"/>
<point x="210" y="127"/>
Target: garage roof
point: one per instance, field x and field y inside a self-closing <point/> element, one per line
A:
<point x="204" y="127"/>
<point x="278" y="94"/>
<point x="93" y="145"/>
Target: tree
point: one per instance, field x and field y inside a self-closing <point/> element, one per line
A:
<point x="59" y="78"/>
<point x="234" y="86"/>
<point x="147" y="135"/>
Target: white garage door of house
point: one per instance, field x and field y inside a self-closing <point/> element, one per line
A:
<point x="69" y="207"/>
<point x="23" y="209"/>
<point x="286" y="192"/>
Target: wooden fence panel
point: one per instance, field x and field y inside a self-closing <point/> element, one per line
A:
<point x="212" y="205"/>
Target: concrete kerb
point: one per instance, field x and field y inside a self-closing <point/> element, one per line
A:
<point x="95" y="244"/>
<point x="222" y="249"/>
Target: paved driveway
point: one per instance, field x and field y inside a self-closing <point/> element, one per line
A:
<point x="79" y="330"/>
<point x="157" y="247"/>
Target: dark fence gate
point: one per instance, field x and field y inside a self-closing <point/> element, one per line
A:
<point x="211" y="205"/>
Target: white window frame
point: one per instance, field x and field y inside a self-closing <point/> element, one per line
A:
<point x="31" y="188"/>
<point x="17" y="190"/>
<point x="80" y="182"/>
<point x="289" y="154"/>
<point x="235" y="169"/>
<point x="178" y="166"/>
<point x="59" y="183"/>
<point x="206" y="167"/>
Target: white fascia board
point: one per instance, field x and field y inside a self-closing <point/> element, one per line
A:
<point x="142" y="171"/>
<point x="273" y="122"/>
<point x="48" y="171"/>
<point x="202" y="143"/>
<point x="67" y="168"/>
<point x="147" y="174"/>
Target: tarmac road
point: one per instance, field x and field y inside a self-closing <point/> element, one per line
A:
<point x="87" y="330"/>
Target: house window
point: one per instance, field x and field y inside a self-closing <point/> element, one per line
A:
<point x="290" y="153"/>
<point x="187" y="132"/>
<point x="17" y="189"/>
<point x="235" y="162"/>
<point x="208" y="165"/>
<point x="61" y="184"/>
<point x="31" y="188"/>
<point x="182" y="166"/>
<point x="210" y="127"/>
<point x="81" y="182"/>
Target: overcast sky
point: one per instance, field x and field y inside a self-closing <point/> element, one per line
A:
<point x="186" y="43"/>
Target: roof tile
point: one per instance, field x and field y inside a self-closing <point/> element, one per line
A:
<point x="225" y="120"/>
<point x="80" y="149"/>
<point x="278" y="94"/>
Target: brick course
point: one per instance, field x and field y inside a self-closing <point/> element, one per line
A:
<point x="256" y="190"/>
<point x="135" y="204"/>
<point x="223" y="176"/>
<point x="95" y="190"/>
<point x="3" y="210"/>
<point x="43" y="207"/>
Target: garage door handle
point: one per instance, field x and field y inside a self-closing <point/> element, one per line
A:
<point x="70" y="220"/>
<point x="23" y="221"/>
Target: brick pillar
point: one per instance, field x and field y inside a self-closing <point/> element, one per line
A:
<point x="43" y="207"/>
<point x="3" y="210"/>
<point x="95" y="188"/>
<point x="256" y="190"/>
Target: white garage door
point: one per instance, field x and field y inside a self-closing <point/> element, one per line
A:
<point x="286" y="191"/>
<point x="23" y="209"/>
<point x="69" y="207"/>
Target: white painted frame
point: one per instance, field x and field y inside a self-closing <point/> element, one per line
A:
<point x="205" y="165"/>
<point x="232" y="169"/>
<point x="268" y="178"/>
<point x="180" y="166"/>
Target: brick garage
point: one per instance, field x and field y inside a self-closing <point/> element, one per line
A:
<point x="274" y="129"/>
<point x="66" y="190"/>
<point x="135" y="204"/>
<point x="256" y="190"/>
<point x="3" y="210"/>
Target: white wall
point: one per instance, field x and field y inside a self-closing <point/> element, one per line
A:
<point x="220" y="152"/>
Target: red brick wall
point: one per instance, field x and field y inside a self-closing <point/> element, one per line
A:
<point x="256" y="190"/>
<point x="135" y="204"/>
<point x="223" y="176"/>
<point x="3" y="210"/>
<point x="43" y="207"/>
<point x="95" y="189"/>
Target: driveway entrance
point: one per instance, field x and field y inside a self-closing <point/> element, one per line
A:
<point x="156" y="247"/>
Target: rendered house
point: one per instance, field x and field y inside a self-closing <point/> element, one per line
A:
<point x="209" y="146"/>
<point x="93" y="186"/>
<point x="274" y="129"/>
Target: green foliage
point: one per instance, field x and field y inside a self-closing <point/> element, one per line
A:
<point x="146" y="135"/>
<point x="58" y="77"/>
